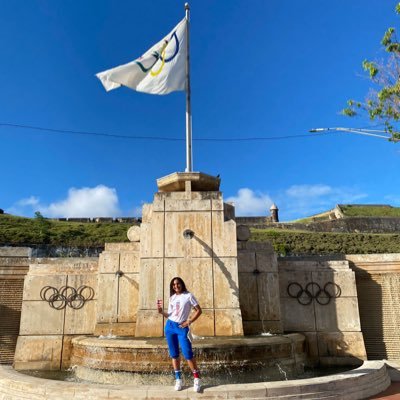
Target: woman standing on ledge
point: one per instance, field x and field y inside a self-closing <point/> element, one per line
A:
<point x="180" y="304"/>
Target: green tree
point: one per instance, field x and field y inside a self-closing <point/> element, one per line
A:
<point x="383" y="104"/>
<point x="43" y="227"/>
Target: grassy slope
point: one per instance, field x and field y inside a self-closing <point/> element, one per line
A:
<point x="370" y="211"/>
<point x="25" y="231"/>
<point x="18" y="230"/>
<point x="296" y="242"/>
<point x="356" y="211"/>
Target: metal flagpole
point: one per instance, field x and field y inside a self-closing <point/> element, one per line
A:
<point x="189" y="163"/>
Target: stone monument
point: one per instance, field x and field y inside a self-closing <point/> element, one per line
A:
<point x="189" y="232"/>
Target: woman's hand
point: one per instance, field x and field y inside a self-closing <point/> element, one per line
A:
<point x="193" y="317"/>
<point x="185" y="324"/>
<point x="159" y="306"/>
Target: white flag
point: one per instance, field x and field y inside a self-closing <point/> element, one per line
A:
<point x="160" y="70"/>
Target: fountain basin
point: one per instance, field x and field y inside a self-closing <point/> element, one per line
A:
<point x="369" y="379"/>
<point x="213" y="355"/>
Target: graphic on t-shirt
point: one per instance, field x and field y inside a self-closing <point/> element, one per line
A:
<point x="179" y="306"/>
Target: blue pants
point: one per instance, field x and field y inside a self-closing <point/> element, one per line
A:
<point x="178" y="336"/>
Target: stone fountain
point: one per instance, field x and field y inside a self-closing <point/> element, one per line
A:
<point x="100" y="317"/>
<point x="187" y="231"/>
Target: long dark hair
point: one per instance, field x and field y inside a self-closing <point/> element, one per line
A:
<point x="171" y="285"/>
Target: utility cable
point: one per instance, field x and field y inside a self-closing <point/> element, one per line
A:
<point x="163" y="138"/>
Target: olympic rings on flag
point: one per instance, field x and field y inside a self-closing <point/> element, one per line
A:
<point x="313" y="291"/>
<point x="162" y="57"/>
<point x="67" y="296"/>
<point x="176" y="47"/>
<point x="155" y="73"/>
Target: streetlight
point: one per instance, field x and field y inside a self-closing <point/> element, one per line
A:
<point x="366" y="132"/>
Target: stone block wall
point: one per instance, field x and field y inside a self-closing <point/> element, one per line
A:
<point x="334" y="332"/>
<point x="259" y="288"/>
<point x="319" y="299"/>
<point x="358" y="224"/>
<point x="13" y="268"/>
<point x="118" y="289"/>
<point x="378" y="287"/>
<point x="206" y="261"/>
<point x="54" y="310"/>
<point x="254" y="220"/>
<point x="342" y="225"/>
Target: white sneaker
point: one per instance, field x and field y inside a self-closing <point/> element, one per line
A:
<point x="178" y="384"/>
<point x="197" y="385"/>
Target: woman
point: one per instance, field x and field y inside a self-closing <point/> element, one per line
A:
<point x="180" y="305"/>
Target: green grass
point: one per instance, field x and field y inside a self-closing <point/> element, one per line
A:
<point x="29" y="231"/>
<point x="24" y="231"/>
<point x="370" y="211"/>
<point x="287" y="242"/>
<point x="310" y="220"/>
<point x="354" y="210"/>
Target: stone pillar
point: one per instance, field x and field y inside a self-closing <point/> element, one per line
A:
<point x="118" y="289"/>
<point x="259" y="282"/>
<point x="187" y="232"/>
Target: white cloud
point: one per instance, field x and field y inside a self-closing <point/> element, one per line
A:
<point x="248" y="202"/>
<point x="307" y="191"/>
<point x="100" y="201"/>
<point x="305" y="200"/>
<point x="295" y="202"/>
<point x="21" y="205"/>
<point x="30" y="201"/>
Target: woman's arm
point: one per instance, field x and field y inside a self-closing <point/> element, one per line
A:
<point x="192" y="318"/>
<point x="160" y="309"/>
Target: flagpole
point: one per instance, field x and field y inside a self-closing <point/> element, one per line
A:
<point x="189" y="162"/>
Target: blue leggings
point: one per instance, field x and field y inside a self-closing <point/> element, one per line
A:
<point x="178" y="336"/>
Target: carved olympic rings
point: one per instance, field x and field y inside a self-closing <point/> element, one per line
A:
<point x="67" y="296"/>
<point x="313" y="291"/>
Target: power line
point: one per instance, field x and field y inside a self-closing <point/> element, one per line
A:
<point x="66" y="131"/>
<point x="163" y="138"/>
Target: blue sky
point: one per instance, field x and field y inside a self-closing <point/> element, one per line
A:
<point x="264" y="68"/>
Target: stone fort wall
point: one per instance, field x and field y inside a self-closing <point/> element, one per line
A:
<point x="343" y="225"/>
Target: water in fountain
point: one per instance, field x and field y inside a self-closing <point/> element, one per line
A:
<point x="225" y="375"/>
<point x="282" y="372"/>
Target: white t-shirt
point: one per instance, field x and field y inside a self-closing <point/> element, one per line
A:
<point x="180" y="305"/>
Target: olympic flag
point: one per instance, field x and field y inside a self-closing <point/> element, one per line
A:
<point x="161" y="70"/>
